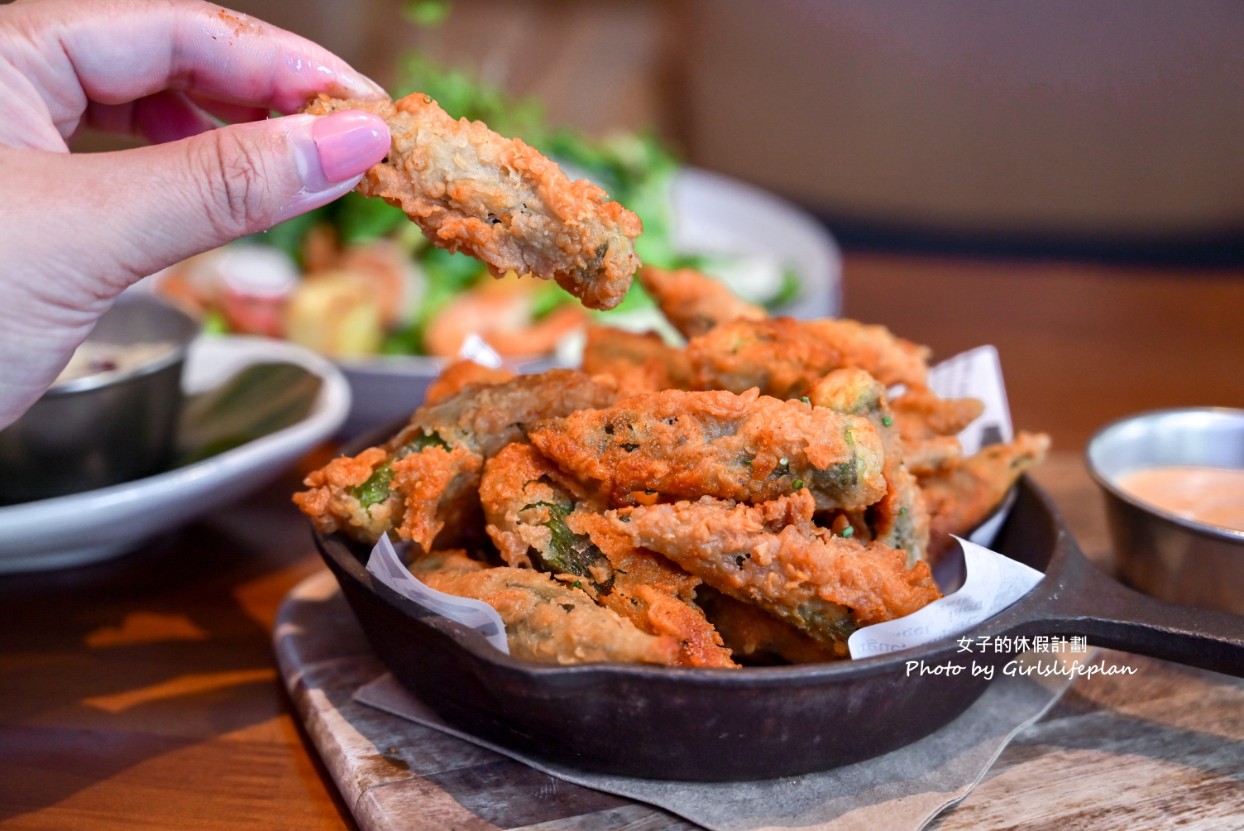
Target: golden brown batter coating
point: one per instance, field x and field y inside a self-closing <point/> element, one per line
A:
<point x="654" y="593"/>
<point x="533" y="522"/>
<point x="498" y="200"/>
<point x="772" y="555"/>
<point x="682" y="445"/>
<point x="962" y="495"/>
<point x="638" y="361"/>
<point x="920" y="413"/>
<point x="785" y="358"/>
<point x="756" y="637"/>
<point x="546" y="620"/>
<point x="901" y="518"/>
<point x="458" y="374"/>
<point x="693" y="302"/>
<point x="485" y="417"/>
<point x="525" y="507"/>
<point x="427" y="476"/>
<point x="332" y="499"/>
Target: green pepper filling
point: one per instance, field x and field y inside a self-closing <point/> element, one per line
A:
<point x="378" y="486"/>
<point x="568" y="552"/>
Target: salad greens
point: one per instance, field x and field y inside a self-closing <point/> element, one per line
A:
<point x="635" y="169"/>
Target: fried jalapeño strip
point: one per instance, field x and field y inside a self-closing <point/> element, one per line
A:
<point x="499" y="200"/>
<point x="754" y="636"/>
<point x="962" y="495"/>
<point x="533" y="519"/>
<point x="784" y="357"/>
<point x="900" y="519"/>
<point x="694" y="302"/>
<point x="681" y="445"/>
<point x="545" y="620"/>
<point x="525" y="507"/>
<point x="773" y="556"/>
<point x="458" y="374"/>
<point x="928" y="426"/>
<point x="427" y="476"/>
<point x="639" y="361"/>
<point x="653" y="593"/>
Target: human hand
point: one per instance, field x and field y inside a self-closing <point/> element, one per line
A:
<point x="77" y="229"/>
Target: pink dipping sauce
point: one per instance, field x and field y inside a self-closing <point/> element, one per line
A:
<point x="1203" y="494"/>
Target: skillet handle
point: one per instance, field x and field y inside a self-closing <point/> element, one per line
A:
<point x="1083" y="600"/>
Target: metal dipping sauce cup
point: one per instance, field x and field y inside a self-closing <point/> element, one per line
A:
<point x="1157" y="551"/>
<point x="104" y="428"/>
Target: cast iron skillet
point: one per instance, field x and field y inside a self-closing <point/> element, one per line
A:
<point x="761" y="722"/>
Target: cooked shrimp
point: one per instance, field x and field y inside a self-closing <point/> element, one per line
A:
<point x="502" y="314"/>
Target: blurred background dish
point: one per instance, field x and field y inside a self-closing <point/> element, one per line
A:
<point x="1159" y="546"/>
<point x="999" y="125"/>
<point x="757" y="236"/>
<point x="109" y="521"/>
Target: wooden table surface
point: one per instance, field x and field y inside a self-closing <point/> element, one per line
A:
<point x="142" y="692"/>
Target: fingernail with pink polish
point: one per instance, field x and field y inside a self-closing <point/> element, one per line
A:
<point x="348" y="143"/>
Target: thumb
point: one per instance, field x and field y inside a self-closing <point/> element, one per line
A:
<point x="191" y="195"/>
<point x="245" y="178"/>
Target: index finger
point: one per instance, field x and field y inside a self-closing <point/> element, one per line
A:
<point x="120" y="52"/>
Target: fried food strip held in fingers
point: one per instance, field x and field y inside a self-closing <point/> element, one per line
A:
<point x="499" y="200"/>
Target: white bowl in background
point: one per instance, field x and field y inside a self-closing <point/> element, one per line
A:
<point x="99" y="524"/>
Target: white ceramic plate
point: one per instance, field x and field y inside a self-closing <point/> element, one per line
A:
<point x="99" y="524"/>
<point x="712" y="214"/>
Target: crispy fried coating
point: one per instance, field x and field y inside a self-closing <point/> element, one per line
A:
<point x="486" y="417"/>
<point x="752" y="448"/>
<point x="900" y="519"/>
<point x="920" y="413"/>
<point x="653" y="593"/>
<point x="426" y="478"/>
<point x="546" y="620"/>
<point x="533" y="521"/>
<point x="458" y="374"/>
<point x="854" y="391"/>
<point x="639" y="361"/>
<point x="961" y="496"/>
<point x="756" y="637"/>
<point x="334" y="500"/>
<point x="778" y="356"/>
<point x="499" y="200"/>
<point x="773" y="556"/>
<point x="784" y="357"/>
<point x="526" y="502"/>
<point x="924" y="457"/>
<point x="694" y="302"/>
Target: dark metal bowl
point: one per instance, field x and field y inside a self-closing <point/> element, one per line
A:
<point x="1159" y="552"/>
<point x="720" y="725"/>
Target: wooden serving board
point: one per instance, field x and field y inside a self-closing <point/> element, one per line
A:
<point x="1159" y="748"/>
<point x="396" y="774"/>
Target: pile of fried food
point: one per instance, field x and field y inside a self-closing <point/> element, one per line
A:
<point x="752" y="494"/>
